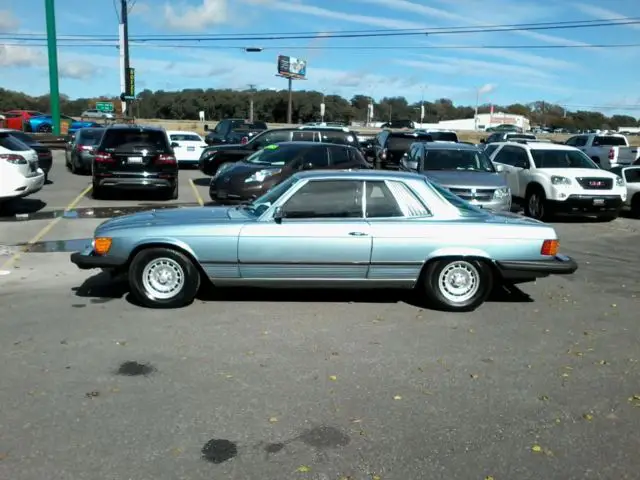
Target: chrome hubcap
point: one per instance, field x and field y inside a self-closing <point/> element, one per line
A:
<point x="459" y="281"/>
<point x="163" y="278"/>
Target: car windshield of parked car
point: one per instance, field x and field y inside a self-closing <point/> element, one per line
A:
<point x="185" y="137"/>
<point x="274" y="155"/>
<point x="561" y="159"/>
<point x="11" y="143"/>
<point x="262" y="204"/>
<point x="444" y="136"/>
<point x="91" y="136"/>
<point x="467" y="160"/>
<point x="465" y="208"/>
<point x="403" y="142"/>
<point x="118" y="138"/>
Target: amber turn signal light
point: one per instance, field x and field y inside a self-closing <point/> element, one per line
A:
<point x="550" y="248"/>
<point x="101" y="245"/>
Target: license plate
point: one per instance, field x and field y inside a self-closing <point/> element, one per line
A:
<point x="135" y="159"/>
<point x="191" y="149"/>
<point x="598" y="201"/>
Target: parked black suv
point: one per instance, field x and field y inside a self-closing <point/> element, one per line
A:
<point x="214" y="157"/>
<point x="135" y="157"/>
<point x="389" y="147"/>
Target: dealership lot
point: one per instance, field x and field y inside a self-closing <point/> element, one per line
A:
<point x="543" y="382"/>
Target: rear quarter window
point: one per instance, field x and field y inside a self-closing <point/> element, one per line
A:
<point x="12" y="143"/>
<point x="610" y="141"/>
<point x="155" y="139"/>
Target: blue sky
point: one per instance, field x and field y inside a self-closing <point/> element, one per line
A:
<point x="578" y="78"/>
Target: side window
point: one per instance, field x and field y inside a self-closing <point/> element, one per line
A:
<point x="326" y="199"/>
<point x="339" y="156"/>
<point x="303" y="136"/>
<point x="632" y="175"/>
<point x="315" y="158"/>
<point x="492" y="138"/>
<point x="273" y="137"/>
<point x="505" y="156"/>
<point x="380" y="202"/>
<point x="580" y="142"/>
<point x="409" y="203"/>
<point x="571" y="142"/>
<point x="520" y="157"/>
<point x="490" y="149"/>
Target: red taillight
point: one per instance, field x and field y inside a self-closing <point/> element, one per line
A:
<point x="550" y="248"/>
<point x="166" y="159"/>
<point x="102" y="157"/>
<point x="612" y="154"/>
<point x="244" y="140"/>
<point x="13" y="159"/>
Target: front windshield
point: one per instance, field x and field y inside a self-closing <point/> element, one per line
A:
<point x="273" y="156"/>
<point x="465" y="208"/>
<point x="561" y="159"/>
<point x="262" y="204"/>
<point x="467" y="160"/>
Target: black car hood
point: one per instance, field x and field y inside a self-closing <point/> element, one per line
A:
<point x="244" y="169"/>
<point x="226" y="146"/>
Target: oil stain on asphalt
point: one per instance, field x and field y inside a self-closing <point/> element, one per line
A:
<point x="320" y="438"/>
<point x="219" y="450"/>
<point x="135" y="369"/>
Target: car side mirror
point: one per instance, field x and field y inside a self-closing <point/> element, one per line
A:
<point x="206" y="128"/>
<point x="499" y="168"/>
<point x="278" y="215"/>
<point x="174" y="144"/>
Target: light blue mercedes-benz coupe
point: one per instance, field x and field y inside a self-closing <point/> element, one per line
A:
<point x="330" y="229"/>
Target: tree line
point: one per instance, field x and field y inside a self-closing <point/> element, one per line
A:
<point x="271" y="106"/>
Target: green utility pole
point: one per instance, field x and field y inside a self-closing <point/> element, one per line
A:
<point x="54" y="91"/>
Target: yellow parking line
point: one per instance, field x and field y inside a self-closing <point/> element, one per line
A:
<point x="46" y="229"/>
<point x="196" y="193"/>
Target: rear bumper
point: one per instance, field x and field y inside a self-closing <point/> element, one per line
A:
<point x="144" y="183"/>
<point x="88" y="260"/>
<point x="580" y="204"/>
<point x="26" y="186"/>
<point x="526" y="270"/>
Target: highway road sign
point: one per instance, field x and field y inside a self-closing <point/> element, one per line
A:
<point x="106" y="107"/>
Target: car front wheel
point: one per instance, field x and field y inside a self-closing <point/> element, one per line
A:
<point x="457" y="284"/>
<point x="163" y="278"/>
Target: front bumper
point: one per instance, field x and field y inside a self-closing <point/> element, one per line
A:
<point x="87" y="260"/>
<point x="527" y="270"/>
<point x="580" y="204"/>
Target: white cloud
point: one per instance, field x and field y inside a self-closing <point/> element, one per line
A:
<point x="603" y="13"/>
<point x="78" y="69"/>
<point x="472" y="67"/>
<point x="19" y="56"/>
<point x="312" y="10"/>
<point x="8" y="21"/>
<point x="185" y="17"/>
<point x="487" y="88"/>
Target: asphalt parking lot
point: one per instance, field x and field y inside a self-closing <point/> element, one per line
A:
<point x="538" y="383"/>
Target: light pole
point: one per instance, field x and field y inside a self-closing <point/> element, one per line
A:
<point x="54" y="89"/>
<point x="252" y="89"/>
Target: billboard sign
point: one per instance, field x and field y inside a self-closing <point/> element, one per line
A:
<point x="291" y="67"/>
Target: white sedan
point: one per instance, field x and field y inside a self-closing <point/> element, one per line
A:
<point x="187" y="146"/>
<point x="20" y="175"/>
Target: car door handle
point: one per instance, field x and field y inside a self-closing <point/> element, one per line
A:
<point x="358" y="234"/>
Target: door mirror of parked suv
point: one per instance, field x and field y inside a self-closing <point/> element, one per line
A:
<point x="174" y="144"/>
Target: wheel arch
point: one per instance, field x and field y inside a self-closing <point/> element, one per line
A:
<point x="535" y="185"/>
<point x="176" y="245"/>
<point x="458" y="254"/>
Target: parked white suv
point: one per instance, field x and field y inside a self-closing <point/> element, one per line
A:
<point x="549" y="178"/>
<point x="19" y="172"/>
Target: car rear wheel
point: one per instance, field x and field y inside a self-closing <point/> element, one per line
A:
<point x="163" y="278"/>
<point x="457" y="284"/>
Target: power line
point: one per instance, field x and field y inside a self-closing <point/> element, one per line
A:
<point x="362" y="34"/>
<point x="335" y="47"/>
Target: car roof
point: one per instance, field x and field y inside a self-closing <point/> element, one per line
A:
<point x="539" y="145"/>
<point x="126" y="126"/>
<point x="182" y="132"/>
<point x="360" y="175"/>
<point x="448" y="146"/>
<point x="312" y="144"/>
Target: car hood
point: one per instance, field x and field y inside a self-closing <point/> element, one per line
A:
<point x="462" y="178"/>
<point x="179" y="217"/>
<point x="242" y="169"/>
<point x="226" y="146"/>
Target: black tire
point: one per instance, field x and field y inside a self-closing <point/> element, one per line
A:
<point x="541" y="212"/>
<point x="178" y="264"/>
<point x="439" y="294"/>
<point x="174" y="192"/>
<point x="97" y="192"/>
<point x="635" y="206"/>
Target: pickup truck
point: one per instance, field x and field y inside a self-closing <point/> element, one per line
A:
<point x="233" y="130"/>
<point x="607" y="150"/>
